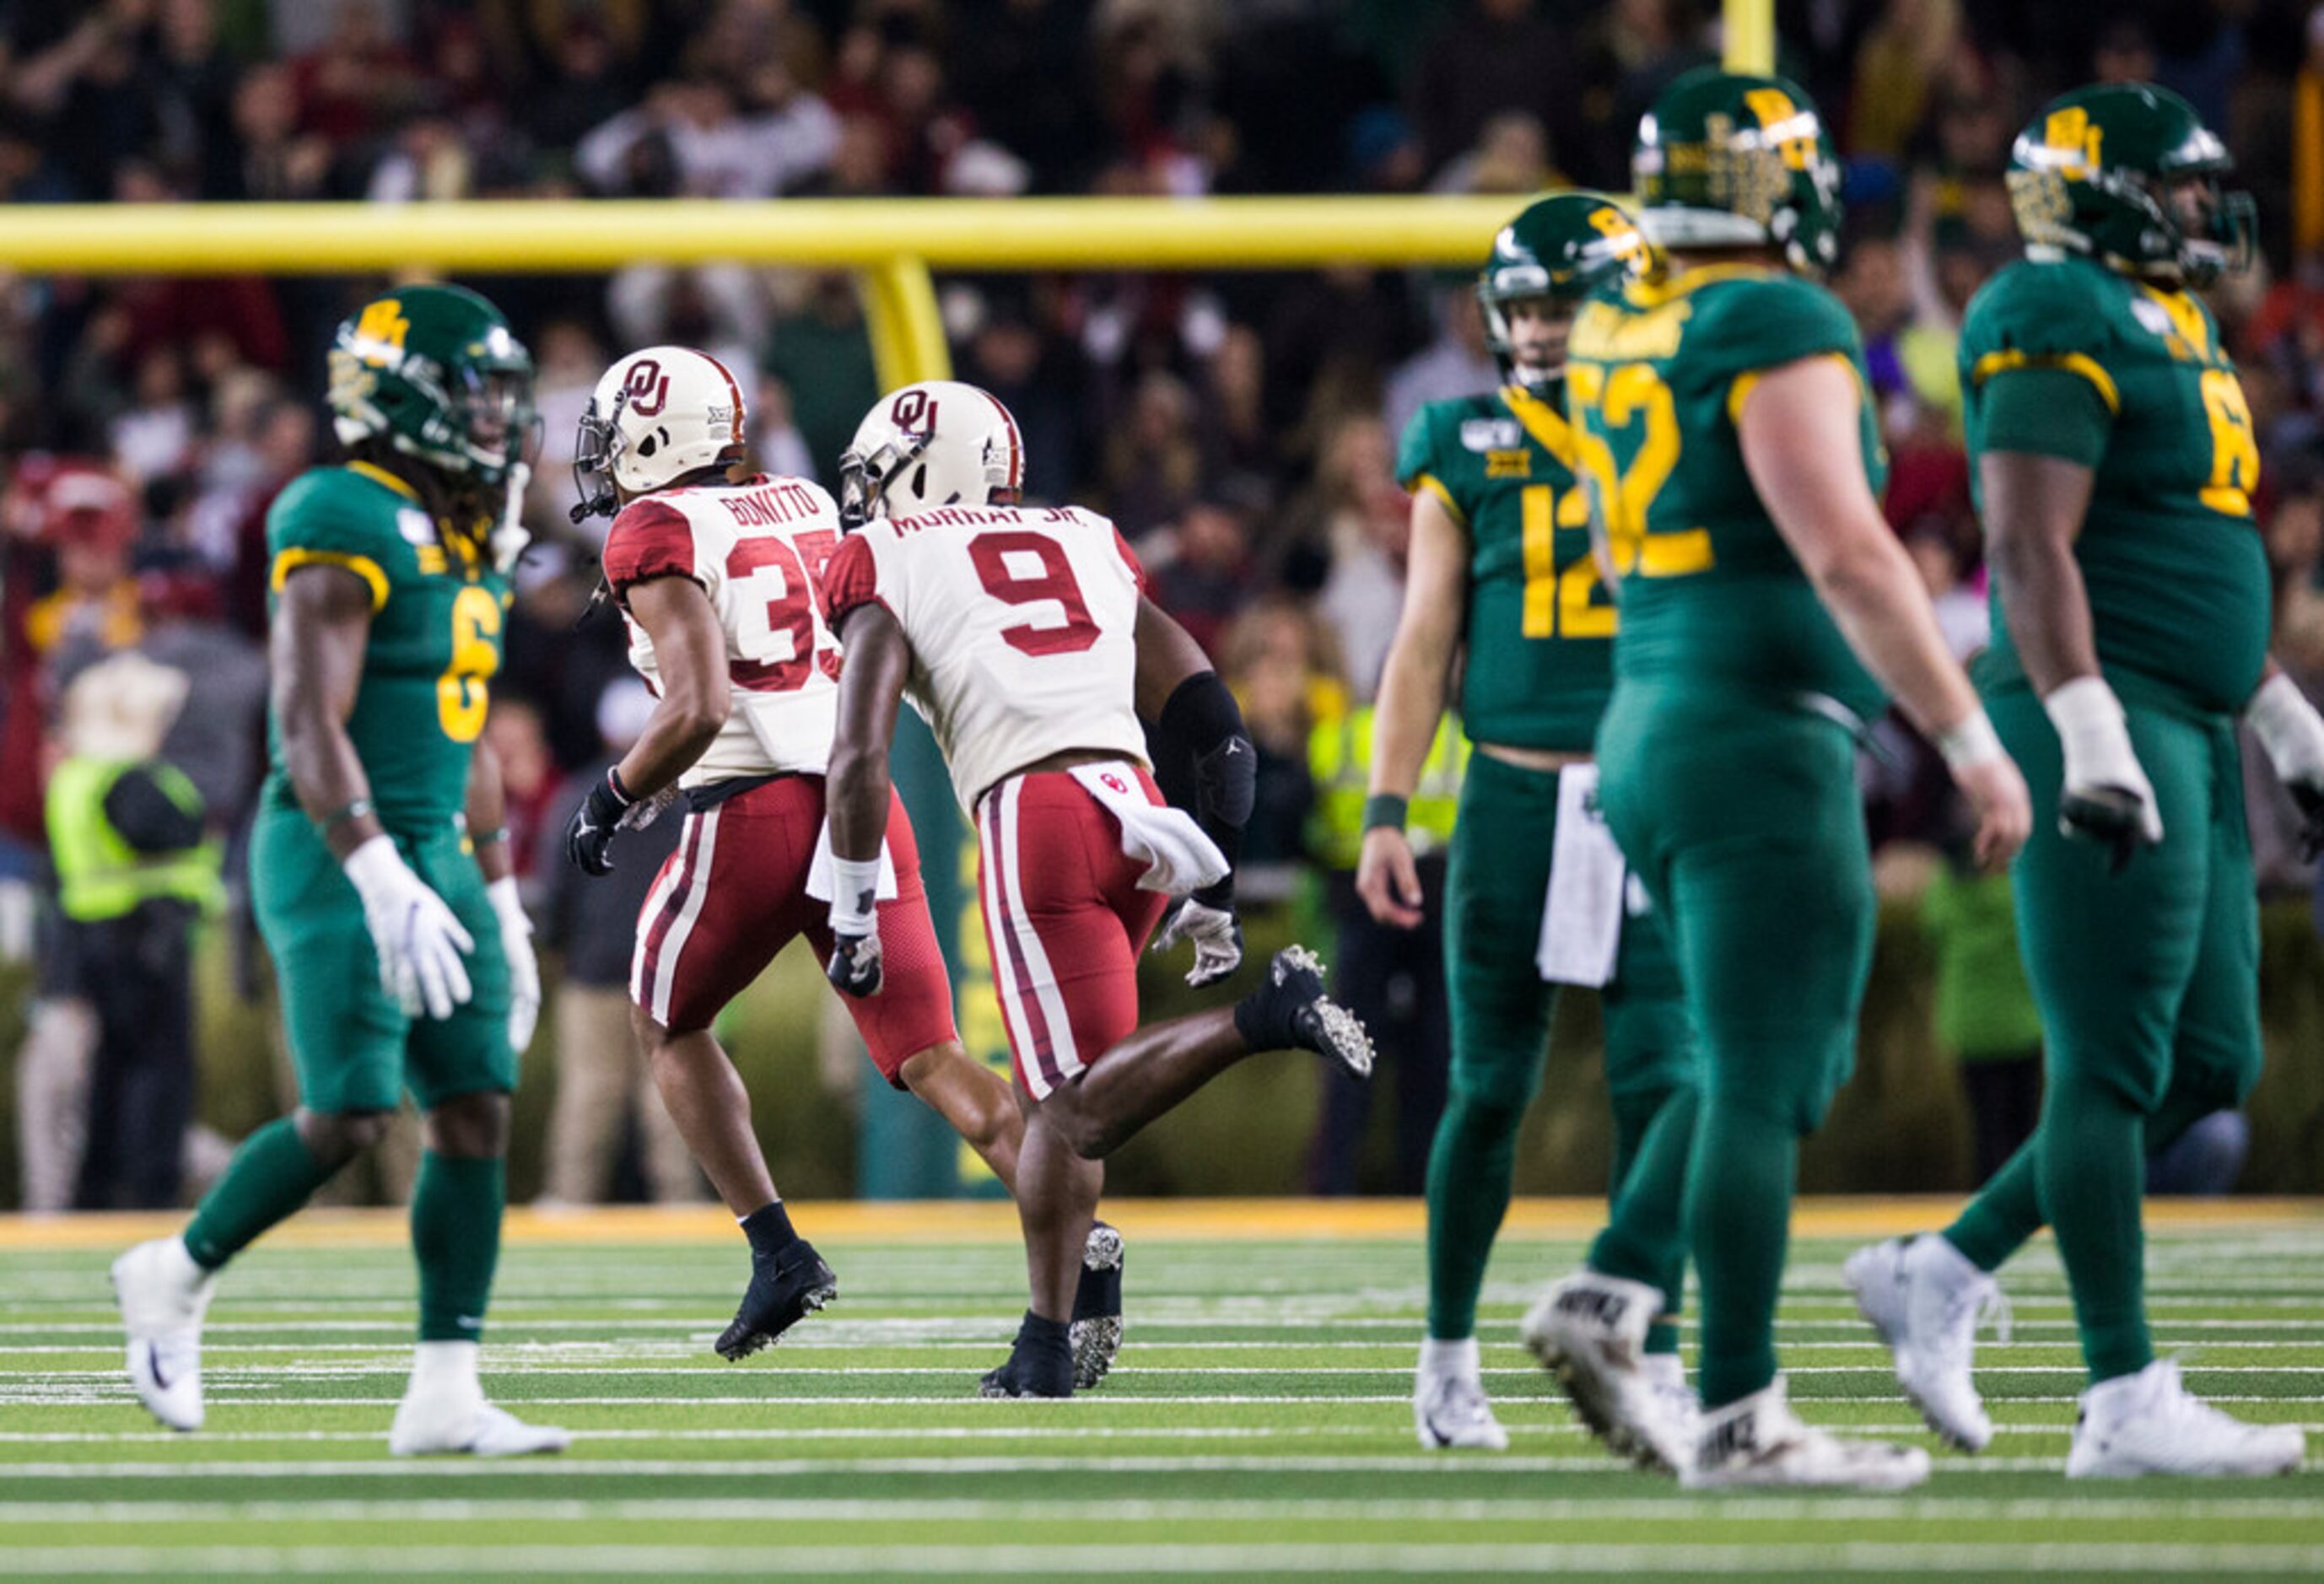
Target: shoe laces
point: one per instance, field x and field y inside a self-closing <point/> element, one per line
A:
<point x="1969" y="1309"/>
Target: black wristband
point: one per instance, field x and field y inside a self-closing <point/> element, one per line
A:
<point x="1386" y="811"/>
<point x="614" y="781"/>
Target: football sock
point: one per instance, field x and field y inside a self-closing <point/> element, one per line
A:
<point x="1457" y="1360"/>
<point x="1470" y="1165"/>
<point x="769" y="1229"/>
<point x="1739" y="1207"/>
<point x="1645" y="1239"/>
<point x="269" y="1178"/>
<point x="2093" y="1173"/>
<point x="1633" y="1115"/>
<point x="456" y="1235"/>
<point x="2005" y="1212"/>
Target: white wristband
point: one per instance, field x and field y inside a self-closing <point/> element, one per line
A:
<point x="1970" y="741"/>
<point x="508" y="902"/>
<point x="2085" y="712"/>
<point x="2284" y="721"/>
<point x="373" y="865"/>
<point x="855" y="893"/>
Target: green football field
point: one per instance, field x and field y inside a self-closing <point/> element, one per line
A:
<point x="1256" y="1427"/>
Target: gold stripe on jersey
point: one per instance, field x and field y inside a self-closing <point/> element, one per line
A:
<point x="1544" y="422"/>
<point x="2075" y="363"/>
<point x="380" y="475"/>
<point x="1435" y="486"/>
<point x="286" y="562"/>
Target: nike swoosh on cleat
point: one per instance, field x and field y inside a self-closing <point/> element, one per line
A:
<point x="153" y="1365"/>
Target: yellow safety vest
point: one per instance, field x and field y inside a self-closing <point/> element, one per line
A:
<point x="99" y="876"/>
<point x="1339" y="758"/>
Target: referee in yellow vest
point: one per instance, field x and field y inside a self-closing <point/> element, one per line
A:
<point x="1391" y="977"/>
<point x="135" y="872"/>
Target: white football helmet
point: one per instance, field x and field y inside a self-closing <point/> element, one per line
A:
<point x="938" y="442"/>
<point x="656" y="416"/>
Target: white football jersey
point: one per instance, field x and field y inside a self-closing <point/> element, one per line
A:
<point x="1022" y="622"/>
<point x="757" y="550"/>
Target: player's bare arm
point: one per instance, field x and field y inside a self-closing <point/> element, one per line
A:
<point x="857" y="788"/>
<point x="1411" y="700"/>
<point x="691" y="649"/>
<point x="315" y="650"/>
<point x="1205" y="765"/>
<point x="1797" y="429"/>
<point x="487" y="817"/>
<point x="2034" y="510"/>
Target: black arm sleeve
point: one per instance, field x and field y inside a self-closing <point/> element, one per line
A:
<point x="145" y="816"/>
<point x="1204" y="763"/>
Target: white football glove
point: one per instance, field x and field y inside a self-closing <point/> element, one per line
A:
<point x="2288" y="728"/>
<point x="2106" y="798"/>
<point x="509" y="537"/>
<point x="418" y="939"/>
<point x="524" y="967"/>
<point x="1217" y="935"/>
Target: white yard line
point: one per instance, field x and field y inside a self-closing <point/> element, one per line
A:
<point x="1428" y="1561"/>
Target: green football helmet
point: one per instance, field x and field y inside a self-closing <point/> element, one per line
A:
<point x="2092" y="176"/>
<point x="1564" y="247"/>
<point x="1728" y="160"/>
<point x="434" y="372"/>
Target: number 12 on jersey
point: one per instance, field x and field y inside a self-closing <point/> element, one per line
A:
<point x="1571" y="603"/>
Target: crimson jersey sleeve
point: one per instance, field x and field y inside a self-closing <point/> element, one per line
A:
<point x="649" y="538"/>
<point x="849" y="579"/>
<point x="1129" y="559"/>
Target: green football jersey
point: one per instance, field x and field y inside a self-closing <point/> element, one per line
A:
<point x="2168" y="551"/>
<point x="1540" y="625"/>
<point x="1710" y="594"/>
<point x="436" y="633"/>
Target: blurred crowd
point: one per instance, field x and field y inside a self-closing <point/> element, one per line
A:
<point x="1239" y="427"/>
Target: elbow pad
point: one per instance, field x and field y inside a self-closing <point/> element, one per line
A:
<point x="1205" y="764"/>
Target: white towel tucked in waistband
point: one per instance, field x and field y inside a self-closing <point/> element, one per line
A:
<point x="1177" y="856"/>
<point x="1581" y="917"/>
<point x="818" y="870"/>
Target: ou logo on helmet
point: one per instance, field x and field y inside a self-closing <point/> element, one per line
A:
<point x="647" y="388"/>
<point x="914" y="412"/>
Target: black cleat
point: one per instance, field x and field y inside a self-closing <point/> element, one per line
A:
<point x="783" y="1290"/>
<point x="1041" y="1363"/>
<point x="1290" y="1011"/>
<point x="1096" y="1330"/>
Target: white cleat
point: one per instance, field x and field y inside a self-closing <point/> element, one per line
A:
<point x="444" y="1411"/>
<point x="1925" y="1299"/>
<point x="1667" y="1376"/>
<point x="1758" y="1441"/>
<point x="1589" y="1332"/>
<point x="2147" y="1424"/>
<point x="1453" y="1411"/>
<point x="162" y="1294"/>
<point x="477" y="1429"/>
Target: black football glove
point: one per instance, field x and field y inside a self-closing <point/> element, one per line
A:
<point x="854" y="965"/>
<point x="589" y="839"/>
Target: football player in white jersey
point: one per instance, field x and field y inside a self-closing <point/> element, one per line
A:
<point x="1026" y="639"/>
<point x="715" y="574"/>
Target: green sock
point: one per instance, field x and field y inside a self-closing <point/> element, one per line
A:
<point x="1470" y="1166"/>
<point x="1634" y="1117"/>
<point x="456" y="1235"/>
<point x="2005" y="1212"/>
<point x="1739" y="1209"/>
<point x="269" y="1178"/>
<point x="1645" y="1239"/>
<point x="2093" y="1175"/>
